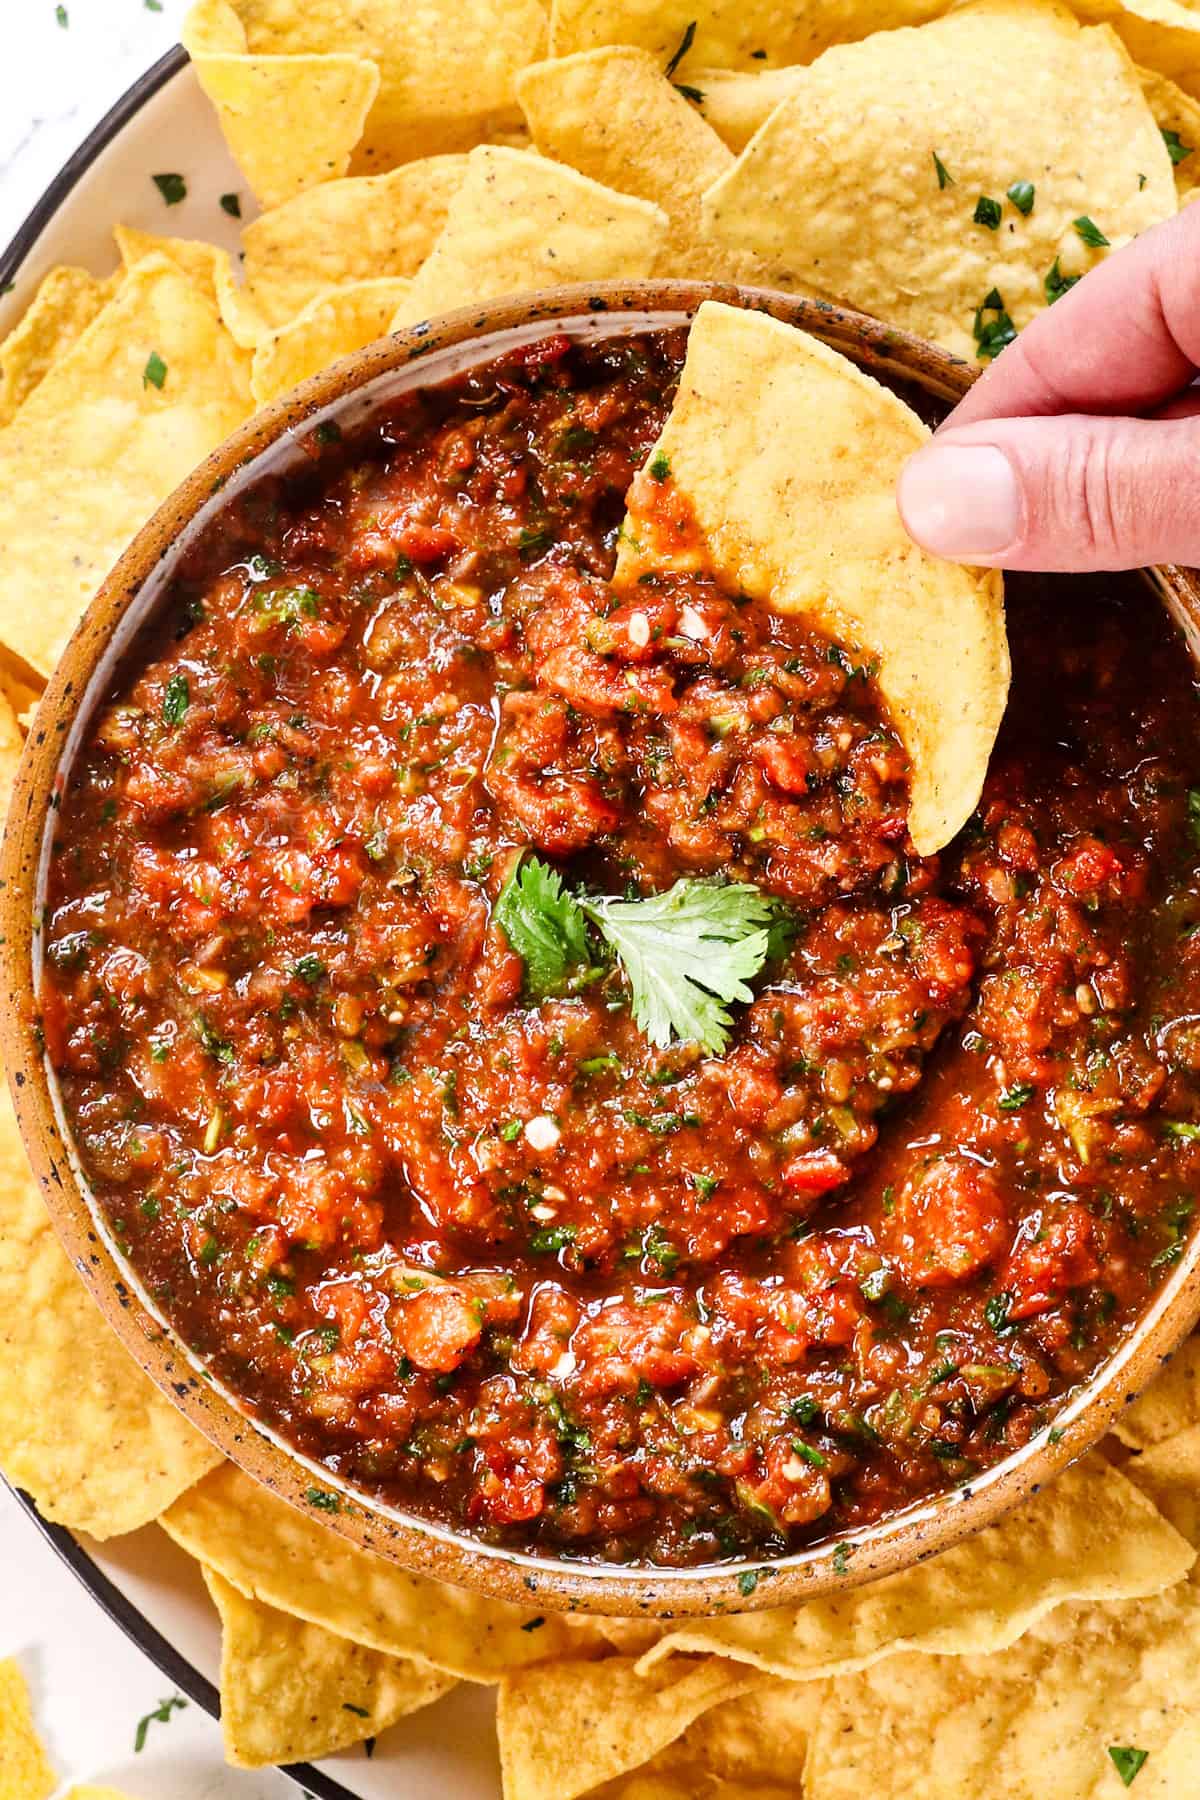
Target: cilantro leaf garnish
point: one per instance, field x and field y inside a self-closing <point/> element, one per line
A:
<point x="1016" y="1096"/>
<point x="60" y="13"/>
<point x="686" y="954"/>
<point x="945" y="178"/>
<point x="1090" y="232"/>
<point x="991" y="335"/>
<point x="1177" y="150"/>
<point x="160" y="1716"/>
<point x="173" y="188"/>
<point x="1021" y="194"/>
<point x="232" y="204"/>
<point x="987" y="212"/>
<point x="1057" y="284"/>
<point x="1127" y="1761"/>
<point x="681" y="50"/>
<point x="155" y="372"/>
<point x="175" y="699"/>
<point x="544" y="925"/>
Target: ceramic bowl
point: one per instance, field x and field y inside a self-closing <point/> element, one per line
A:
<point x="932" y="380"/>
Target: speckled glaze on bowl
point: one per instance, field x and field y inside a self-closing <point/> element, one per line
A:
<point x="931" y="379"/>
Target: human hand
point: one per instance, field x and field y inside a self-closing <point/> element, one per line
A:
<point x="1079" y="448"/>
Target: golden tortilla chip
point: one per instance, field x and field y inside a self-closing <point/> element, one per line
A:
<point x="272" y="1552"/>
<point x="1170" y="1475"/>
<point x="729" y="34"/>
<point x="1161" y="34"/>
<point x="614" y="116"/>
<point x="63" y="307"/>
<point x="1090" y="1536"/>
<point x="22" y="697"/>
<point x="366" y="228"/>
<point x="25" y="1772"/>
<point x="199" y="260"/>
<point x="1170" y="1404"/>
<point x="1177" y="116"/>
<point x="564" y="1727"/>
<point x="865" y="184"/>
<point x="290" y="121"/>
<point x="152" y="386"/>
<point x="1039" y="1721"/>
<point x="521" y="221"/>
<point x="82" y="1430"/>
<point x="750" y="1748"/>
<point x="736" y="102"/>
<point x="291" y="1692"/>
<point x="818" y="533"/>
<point x="445" y="68"/>
<point x="343" y="320"/>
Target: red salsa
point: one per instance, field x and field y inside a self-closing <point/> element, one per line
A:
<point x="457" y="1226"/>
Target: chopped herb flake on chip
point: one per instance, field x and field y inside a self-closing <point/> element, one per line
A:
<point x="1090" y="232"/>
<point x="173" y="188"/>
<point x="1057" y="284"/>
<point x="1021" y="193"/>
<point x="155" y="372"/>
<point x="1177" y="150"/>
<point x="1127" y="1761"/>
<point x="232" y="204"/>
<point x="987" y="212"/>
<point x="681" y="49"/>
<point x="944" y="178"/>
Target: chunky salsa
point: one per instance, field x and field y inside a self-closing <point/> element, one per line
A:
<point x="355" y="1064"/>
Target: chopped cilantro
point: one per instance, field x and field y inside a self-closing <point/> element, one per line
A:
<point x="512" y="1131"/>
<point x="1127" y="1761"/>
<point x="543" y="925"/>
<point x="534" y="1624"/>
<point x="706" y="1185"/>
<point x="551" y="1240"/>
<point x="807" y="1453"/>
<point x="1021" y="193"/>
<point x="1057" y="284"/>
<point x="161" y="1716"/>
<point x="309" y="969"/>
<point x="747" y="1582"/>
<point x="841" y="1559"/>
<point x="681" y="49"/>
<point x="323" y="1500"/>
<point x="232" y="204"/>
<point x="991" y="335"/>
<point x="660" y="467"/>
<point x="1015" y="1097"/>
<point x="805" y="1410"/>
<point x="155" y="372"/>
<point x="176" y="696"/>
<point x="1177" y="150"/>
<point x="173" y="188"/>
<point x="60" y="13"/>
<point x="996" y="1313"/>
<point x="1182" y="1130"/>
<point x="944" y="177"/>
<point x="217" y="1047"/>
<point x="987" y="212"/>
<point x="1090" y="232"/>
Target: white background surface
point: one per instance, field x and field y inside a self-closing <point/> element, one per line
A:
<point x="90" y="1685"/>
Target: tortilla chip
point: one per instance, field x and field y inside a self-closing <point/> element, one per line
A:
<point x="736" y="103"/>
<point x="819" y="533"/>
<point x="290" y="121"/>
<point x="750" y="1748"/>
<point x="445" y="68"/>
<point x="839" y="191"/>
<point x="291" y="1692"/>
<point x="1090" y="1536"/>
<point x="1036" y="1722"/>
<point x="1177" y="116"/>
<point x="729" y="34"/>
<point x="82" y="1430"/>
<point x="272" y="1552"/>
<point x="11" y="744"/>
<point x="564" y="1728"/>
<point x="614" y="116"/>
<point x="1170" y="1475"/>
<point x="366" y="228"/>
<point x="98" y="444"/>
<point x="520" y="221"/>
<point x="63" y="307"/>
<point x="198" y="260"/>
<point x="25" y="1773"/>
<point x="1170" y="1404"/>
<point x="22" y="697"/>
<point x="344" y="320"/>
<point x="1161" y="34"/>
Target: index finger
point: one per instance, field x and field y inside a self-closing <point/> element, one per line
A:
<point x="1124" y="340"/>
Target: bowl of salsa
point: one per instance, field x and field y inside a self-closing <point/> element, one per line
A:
<point x="494" y="1051"/>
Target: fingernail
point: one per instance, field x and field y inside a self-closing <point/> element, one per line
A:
<point x="960" y="500"/>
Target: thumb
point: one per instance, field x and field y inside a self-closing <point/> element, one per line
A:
<point x="1071" y="493"/>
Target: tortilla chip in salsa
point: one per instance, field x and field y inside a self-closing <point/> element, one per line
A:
<point x="820" y="535"/>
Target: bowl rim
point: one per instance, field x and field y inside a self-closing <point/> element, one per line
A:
<point x="430" y="351"/>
